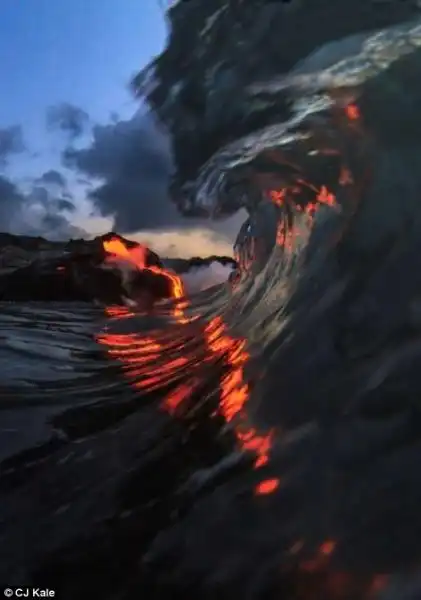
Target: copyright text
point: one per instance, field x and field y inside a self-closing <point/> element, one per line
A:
<point x="29" y="592"/>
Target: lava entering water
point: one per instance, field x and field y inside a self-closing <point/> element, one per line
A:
<point x="137" y="257"/>
<point x="153" y="363"/>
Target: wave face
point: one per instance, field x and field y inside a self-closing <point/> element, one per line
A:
<point x="261" y="439"/>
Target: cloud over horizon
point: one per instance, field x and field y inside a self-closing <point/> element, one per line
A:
<point x="37" y="211"/>
<point x="121" y="169"/>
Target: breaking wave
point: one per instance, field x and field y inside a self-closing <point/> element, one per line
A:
<point x="259" y="439"/>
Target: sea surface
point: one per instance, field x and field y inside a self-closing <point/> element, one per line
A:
<point x="260" y="439"/>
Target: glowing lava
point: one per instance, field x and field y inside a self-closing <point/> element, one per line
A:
<point x="286" y="233"/>
<point x="137" y="257"/>
<point x="234" y="392"/>
<point x="268" y="486"/>
<point x="152" y="364"/>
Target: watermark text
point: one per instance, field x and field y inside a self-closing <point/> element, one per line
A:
<point x="29" y="592"/>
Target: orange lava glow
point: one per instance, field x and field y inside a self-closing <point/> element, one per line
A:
<point x="234" y="392"/>
<point x="152" y="364"/>
<point x="352" y="112"/>
<point x="316" y="563"/>
<point x="268" y="486"/>
<point x="285" y="234"/>
<point x="327" y="547"/>
<point x="326" y="197"/>
<point x="137" y="256"/>
<point x="322" y="195"/>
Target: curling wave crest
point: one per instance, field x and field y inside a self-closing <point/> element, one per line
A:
<point x="261" y="439"/>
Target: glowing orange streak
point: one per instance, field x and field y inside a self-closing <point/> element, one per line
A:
<point x="136" y="351"/>
<point x="268" y="486"/>
<point x="285" y="237"/>
<point x="352" y="112"/>
<point x="180" y="395"/>
<point x="118" y="311"/>
<point x="234" y="390"/>
<point x="137" y="257"/>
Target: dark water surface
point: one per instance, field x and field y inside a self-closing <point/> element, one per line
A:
<point x="263" y="440"/>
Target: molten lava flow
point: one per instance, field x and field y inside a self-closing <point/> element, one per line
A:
<point x="137" y="257"/>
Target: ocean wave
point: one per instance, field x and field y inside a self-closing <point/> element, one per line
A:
<point x="261" y="437"/>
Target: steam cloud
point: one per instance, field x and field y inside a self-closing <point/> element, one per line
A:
<point x="201" y="278"/>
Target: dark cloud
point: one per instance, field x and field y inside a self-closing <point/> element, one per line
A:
<point x="11" y="200"/>
<point x="131" y="159"/>
<point x="124" y="172"/>
<point x="64" y="204"/>
<point x="39" y="194"/>
<point x="11" y="142"/>
<point x="56" y="226"/>
<point x="67" y="118"/>
<point x="36" y="212"/>
<point x="52" y="177"/>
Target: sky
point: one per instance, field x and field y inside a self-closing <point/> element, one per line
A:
<point x="78" y="154"/>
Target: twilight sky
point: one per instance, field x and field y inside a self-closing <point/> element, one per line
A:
<point x="76" y="151"/>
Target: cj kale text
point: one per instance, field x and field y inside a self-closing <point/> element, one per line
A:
<point x="29" y="592"/>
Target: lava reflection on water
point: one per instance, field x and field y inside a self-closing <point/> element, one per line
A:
<point x="152" y="363"/>
<point x="183" y="358"/>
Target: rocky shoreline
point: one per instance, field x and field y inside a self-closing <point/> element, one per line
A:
<point x="33" y="268"/>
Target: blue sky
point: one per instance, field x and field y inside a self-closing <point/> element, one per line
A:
<point x="79" y="51"/>
<point x="84" y="53"/>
